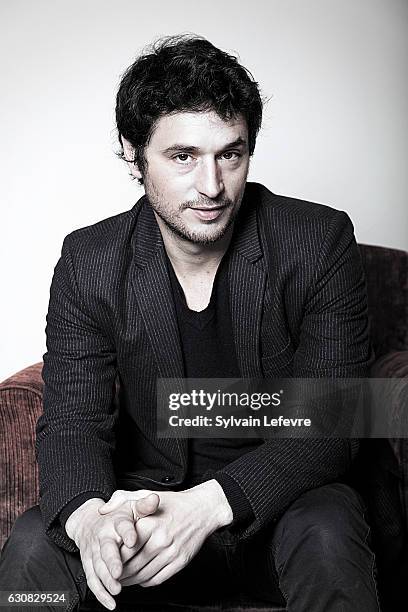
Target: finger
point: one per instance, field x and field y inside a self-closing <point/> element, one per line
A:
<point x="143" y="534"/>
<point x="150" y="555"/>
<point x="152" y="567"/>
<point x="136" y="564"/>
<point x="102" y="572"/>
<point x="133" y="567"/>
<point x="120" y="497"/>
<point x="128" y="553"/>
<point x="164" y="574"/>
<point x="111" y="556"/>
<point x="147" y="505"/>
<point x="94" y="583"/>
<point x="126" y="530"/>
<point x="111" y="585"/>
<point x="148" y="576"/>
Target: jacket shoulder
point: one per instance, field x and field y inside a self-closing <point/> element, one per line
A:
<point x="95" y="256"/>
<point x="292" y="210"/>
<point x="105" y="233"/>
<point x="297" y="234"/>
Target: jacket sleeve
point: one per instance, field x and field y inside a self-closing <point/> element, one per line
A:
<point x="333" y="343"/>
<point x="75" y="434"/>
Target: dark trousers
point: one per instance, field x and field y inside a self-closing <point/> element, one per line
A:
<point x="316" y="558"/>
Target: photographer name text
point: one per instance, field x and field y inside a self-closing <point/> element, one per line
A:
<point x="233" y="422"/>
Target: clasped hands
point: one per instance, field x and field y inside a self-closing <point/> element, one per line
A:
<point x="144" y="537"/>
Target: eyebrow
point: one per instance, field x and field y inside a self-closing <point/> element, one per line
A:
<point x="239" y="142"/>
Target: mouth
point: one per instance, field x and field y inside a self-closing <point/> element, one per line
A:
<point x="209" y="213"/>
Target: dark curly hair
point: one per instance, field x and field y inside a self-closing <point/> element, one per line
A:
<point x="183" y="73"/>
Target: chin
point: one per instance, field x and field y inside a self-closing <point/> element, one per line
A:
<point x="198" y="233"/>
<point x="211" y="232"/>
<point x="205" y="238"/>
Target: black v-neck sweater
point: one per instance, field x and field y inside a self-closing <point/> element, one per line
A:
<point x="209" y="352"/>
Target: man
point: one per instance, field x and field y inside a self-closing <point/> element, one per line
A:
<point x="206" y="276"/>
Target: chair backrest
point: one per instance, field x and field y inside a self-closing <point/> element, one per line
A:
<point x="387" y="287"/>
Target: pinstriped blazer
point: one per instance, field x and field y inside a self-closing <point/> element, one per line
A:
<point x="298" y="308"/>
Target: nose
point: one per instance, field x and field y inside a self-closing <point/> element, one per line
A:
<point x="209" y="180"/>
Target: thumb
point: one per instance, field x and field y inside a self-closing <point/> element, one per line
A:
<point x="146" y="505"/>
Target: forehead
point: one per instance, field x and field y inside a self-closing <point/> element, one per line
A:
<point x="197" y="129"/>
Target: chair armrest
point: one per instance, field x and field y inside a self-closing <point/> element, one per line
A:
<point x="30" y="378"/>
<point x="391" y="365"/>
<point x="394" y="366"/>
<point x="20" y="407"/>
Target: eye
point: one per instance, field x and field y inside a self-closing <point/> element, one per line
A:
<point x="231" y="155"/>
<point x="182" y="158"/>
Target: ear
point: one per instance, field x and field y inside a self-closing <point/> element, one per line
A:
<point x="129" y="155"/>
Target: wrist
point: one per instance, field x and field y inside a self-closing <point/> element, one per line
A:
<point x="75" y="520"/>
<point x="219" y="512"/>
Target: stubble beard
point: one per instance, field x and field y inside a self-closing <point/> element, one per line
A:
<point x="176" y="226"/>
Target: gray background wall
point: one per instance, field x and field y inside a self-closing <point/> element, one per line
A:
<point x="335" y="129"/>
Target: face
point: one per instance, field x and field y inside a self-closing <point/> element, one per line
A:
<point x="195" y="174"/>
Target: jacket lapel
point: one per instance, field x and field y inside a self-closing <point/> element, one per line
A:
<point x="247" y="280"/>
<point x="152" y="288"/>
<point x="151" y="284"/>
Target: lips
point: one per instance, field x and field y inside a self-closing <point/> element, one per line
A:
<point x="208" y="214"/>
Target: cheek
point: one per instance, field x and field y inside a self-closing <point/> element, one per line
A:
<point x="179" y="187"/>
<point x="174" y="176"/>
<point x="172" y="191"/>
<point x="236" y="183"/>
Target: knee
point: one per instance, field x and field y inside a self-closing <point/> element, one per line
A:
<point x="27" y="534"/>
<point x="28" y="523"/>
<point x="29" y="519"/>
<point x="329" y="522"/>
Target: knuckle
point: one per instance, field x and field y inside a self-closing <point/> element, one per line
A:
<point x="105" y="530"/>
<point x="118" y="495"/>
<point x="86" y="562"/>
<point x="122" y="525"/>
<point x="95" y="553"/>
<point x="109" y="561"/>
<point x="167" y="540"/>
<point x="94" y="585"/>
<point x="145" y="526"/>
<point x="178" y="551"/>
<point x="170" y="542"/>
<point x="99" y="566"/>
<point x="173" y="552"/>
<point x="123" y="515"/>
<point x="106" y="547"/>
<point x="182" y="559"/>
<point x="161" y="539"/>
